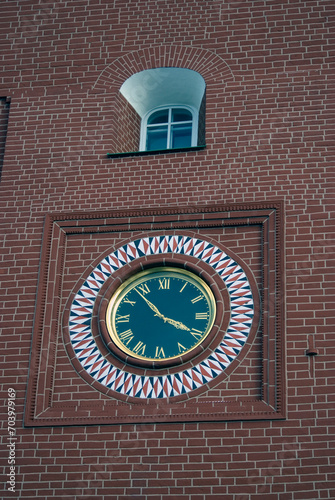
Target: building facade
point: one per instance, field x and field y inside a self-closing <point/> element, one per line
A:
<point x="167" y="195"/>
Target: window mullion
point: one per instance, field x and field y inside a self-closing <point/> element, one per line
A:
<point x="176" y="134"/>
<point x="169" y="139"/>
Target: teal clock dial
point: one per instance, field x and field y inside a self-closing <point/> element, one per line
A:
<point x="161" y="314"/>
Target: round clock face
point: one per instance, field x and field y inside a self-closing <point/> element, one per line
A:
<point x="161" y="314"/>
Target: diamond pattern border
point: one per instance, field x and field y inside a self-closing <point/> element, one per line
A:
<point x="184" y="381"/>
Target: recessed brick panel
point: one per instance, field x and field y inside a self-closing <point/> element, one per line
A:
<point x="4" y="115"/>
<point x="62" y="386"/>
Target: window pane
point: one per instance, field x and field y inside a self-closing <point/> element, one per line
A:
<point x="161" y="116"/>
<point x="181" y="115"/>
<point x="157" y="138"/>
<point x="181" y="136"/>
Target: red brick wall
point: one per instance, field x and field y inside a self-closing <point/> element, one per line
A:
<point x="4" y="114"/>
<point x="123" y="135"/>
<point x="268" y="67"/>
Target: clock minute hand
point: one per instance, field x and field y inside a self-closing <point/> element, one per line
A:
<point x="151" y="305"/>
<point x="177" y="324"/>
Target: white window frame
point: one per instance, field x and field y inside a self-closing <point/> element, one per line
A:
<point x="170" y="107"/>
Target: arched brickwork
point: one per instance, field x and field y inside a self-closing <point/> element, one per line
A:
<point x="205" y="62"/>
<point x="124" y="131"/>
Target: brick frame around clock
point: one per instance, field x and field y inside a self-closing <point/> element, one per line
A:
<point x="41" y="407"/>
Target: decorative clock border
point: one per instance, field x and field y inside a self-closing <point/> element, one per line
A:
<point x="123" y="380"/>
<point x="41" y="409"/>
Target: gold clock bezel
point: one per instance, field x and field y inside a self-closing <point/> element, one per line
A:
<point x="140" y="277"/>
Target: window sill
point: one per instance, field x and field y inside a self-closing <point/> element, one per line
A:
<point x="155" y="152"/>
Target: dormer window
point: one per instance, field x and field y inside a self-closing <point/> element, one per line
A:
<point x="169" y="105"/>
<point x="170" y="127"/>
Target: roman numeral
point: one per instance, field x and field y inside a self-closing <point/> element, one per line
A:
<point x="144" y="288"/>
<point x="201" y="315"/>
<point x="182" y="288"/>
<point x="197" y="334"/>
<point x="164" y="283"/>
<point x="196" y="299"/>
<point x="122" y="319"/>
<point x="181" y="347"/>
<point x="139" y="348"/>
<point x="126" y="337"/>
<point x="159" y="352"/>
<point x="127" y="301"/>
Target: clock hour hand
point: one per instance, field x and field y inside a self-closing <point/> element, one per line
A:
<point x="177" y="324"/>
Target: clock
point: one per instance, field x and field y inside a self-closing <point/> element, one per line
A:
<point x="160" y="314"/>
